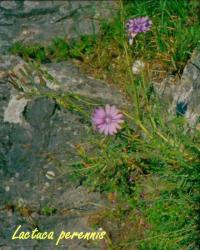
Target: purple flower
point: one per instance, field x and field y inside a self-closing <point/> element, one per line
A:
<point x="107" y="120"/>
<point x="137" y="25"/>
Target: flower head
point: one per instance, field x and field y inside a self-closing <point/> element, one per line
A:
<point x="137" y="25"/>
<point x="137" y="67"/>
<point x="107" y="120"/>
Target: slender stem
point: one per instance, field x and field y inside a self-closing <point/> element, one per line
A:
<point x="129" y="64"/>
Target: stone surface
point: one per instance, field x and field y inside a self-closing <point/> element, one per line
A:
<point x="14" y="109"/>
<point x="62" y="77"/>
<point x="40" y="21"/>
<point x="38" y="140"/>
<point x="183" y="95"/>
<point x="189" y="90"/>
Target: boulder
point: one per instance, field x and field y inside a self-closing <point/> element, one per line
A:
<point x="183" y="95"/>
<point x="38" y="141"/>
<point x="40" y="21"/>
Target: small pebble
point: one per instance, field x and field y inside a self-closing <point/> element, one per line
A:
<point x="24" y="32"/>
<point x="35" y="215"/>
<point x="47" y="184"/>
<point x="27" y="185"/>
<point x="12" y="179"/>
<point x="42" y="198"/>
<point x="21" y="202"/>
<point x="50" y="175"/>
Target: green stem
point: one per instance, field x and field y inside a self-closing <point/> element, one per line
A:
<point x="129" y="65"/>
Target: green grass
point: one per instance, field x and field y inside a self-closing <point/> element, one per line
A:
<point x="165" y="49"/>
<point x="163" y="187"/>
<point x="59" y="49"/>
<point x="150" y="170"/>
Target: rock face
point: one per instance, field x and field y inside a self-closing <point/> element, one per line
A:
<point x="183" y="95"/>
<point x="40" y="21"/>
<point x="38" y="140"/>
<point x="188" y="93"/>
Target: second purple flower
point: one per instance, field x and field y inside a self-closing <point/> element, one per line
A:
<point x="137" y="25"/>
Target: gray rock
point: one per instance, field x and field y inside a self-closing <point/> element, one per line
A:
<point x="189" y="89"/>
<point x="8" y="5"/>
<point x="39" y="112"/>
<point x="13" y="112"/>
<point x="38" y="138"/>
<point x="40" y="21"/>
<point x="62" y="77"/>
<point x="37" y="145"/>
<point x="69" y="78"/>
<point x="183" y="95"/>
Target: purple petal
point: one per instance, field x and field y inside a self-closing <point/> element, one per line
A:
<point x="107" y="109"/>
<point x="99" y="112"/>
<point x="102" y="128"/>
<point x="98" y="121"/>
<point x="112" y="129"/>
<point x="113" y="109"/>
<point x="117" y="126"/>
<point x="106" y="130"/>
<point x="117" y="116"/>
<point x="120" y="121"/>
<point x="138" y="25"/>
